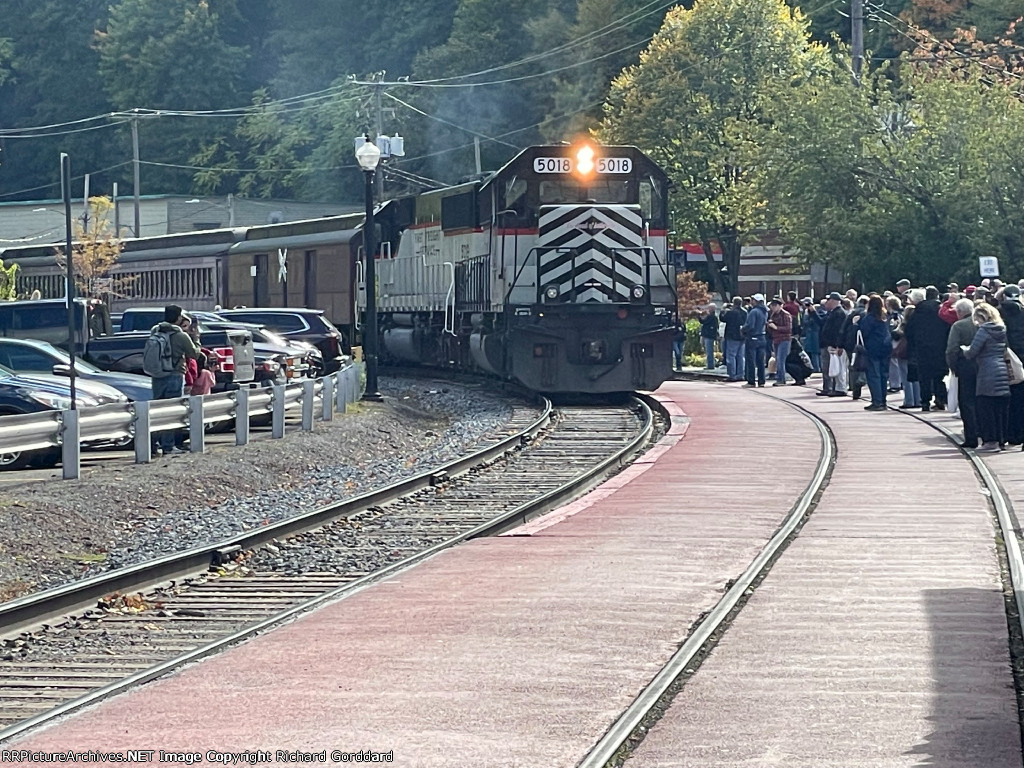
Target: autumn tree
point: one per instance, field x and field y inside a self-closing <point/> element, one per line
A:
<point x="694" y="100"/>
<point x="95" y="252"/>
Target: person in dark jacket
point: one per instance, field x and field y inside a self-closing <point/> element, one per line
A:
<point x="810" y="327"/>
<point x="831" y="386"/>
<point x="927" y="334"/>
<point x="734" y="344"/>
<point x="874" y="330"/>
<point x="780" y="326"/>
<point x="678" y="344"/>
<point x="961" y="334"/>
<point x="848" y="340"/>
<point x="993" y="386"/>
<point x="754" y="328"/>
<point x="709" y="333"/>
<point x="798" y="363"/>
<point x="1013" y="316"/>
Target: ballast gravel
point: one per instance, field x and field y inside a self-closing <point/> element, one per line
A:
<point x="57" y="531"/>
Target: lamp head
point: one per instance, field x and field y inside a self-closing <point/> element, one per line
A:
<point x="368" y="155"/>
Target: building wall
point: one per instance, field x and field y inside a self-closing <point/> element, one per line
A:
<point x="42" y="222"/>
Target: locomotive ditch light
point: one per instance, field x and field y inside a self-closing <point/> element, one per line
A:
<point x="637" y="293"/>
<point x="551" y="293"/>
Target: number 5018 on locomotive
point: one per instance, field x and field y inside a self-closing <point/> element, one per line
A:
<point x="551" y="271"/>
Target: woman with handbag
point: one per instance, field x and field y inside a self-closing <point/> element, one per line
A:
<point x="988" y="349"/>
<point x="876" y="347"/>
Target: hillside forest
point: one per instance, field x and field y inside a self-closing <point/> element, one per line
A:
<point x="916" y="167"/>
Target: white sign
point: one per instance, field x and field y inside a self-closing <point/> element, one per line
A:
<point x="988" y="266"/>
<point x="567" y="164"/>
<point x="282" y="265"/>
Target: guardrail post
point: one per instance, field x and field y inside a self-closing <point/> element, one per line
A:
<point x="242" y="417"/>
<point x="70" y="448"/>
<point x="340" y="402"/>
<point x="327" y="399"/>
<point x="143" y="438"/>
<point x="308" y="397"/>
<point x="277" y="423"/>
<point x="196" y="427"/>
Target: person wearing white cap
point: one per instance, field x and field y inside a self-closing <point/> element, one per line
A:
<point x="754" y="328"/>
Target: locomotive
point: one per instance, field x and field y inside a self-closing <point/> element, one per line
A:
<point x="551" y="272"/>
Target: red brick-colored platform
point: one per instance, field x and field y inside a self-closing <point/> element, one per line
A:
<point x="879" y="638"/>
<point x="511" y="651"/>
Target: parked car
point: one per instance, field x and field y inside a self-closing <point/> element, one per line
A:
<point x="47" y="320"/>
<point x="298" y="324"/>
<point x="297" y="358"/>
<point x="233" y="358"/>
<point x="275" y="362"/>
<point x="29" y="357"/>
<point x="34" y="394"/>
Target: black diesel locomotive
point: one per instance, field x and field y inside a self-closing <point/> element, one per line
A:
<point x="551" y="271"/>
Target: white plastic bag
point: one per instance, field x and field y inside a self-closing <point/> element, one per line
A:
<point x="835" y="365"/>
<point x="952" y="396"/>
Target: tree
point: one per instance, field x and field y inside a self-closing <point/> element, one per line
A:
<point x="172" y="55"/>
<point x="95" y="253"/>
<point x="694" y="101"/>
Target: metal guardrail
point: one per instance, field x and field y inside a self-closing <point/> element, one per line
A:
<point x="68" y="430"/>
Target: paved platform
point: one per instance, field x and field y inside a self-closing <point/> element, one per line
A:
<point x="879" y="638"/>
<point x="512" y="651"/>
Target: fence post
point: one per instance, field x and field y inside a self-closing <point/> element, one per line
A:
<point x="196" y="427"/>
<point x="308" y="397"/>
<point x="277" y="428"/>
<point x="327" y="399"/>
<point x="339" y="392"/>
<point x="242" y="417"/>
<point x="143" y="438"/>
<point x="70" y="445"/>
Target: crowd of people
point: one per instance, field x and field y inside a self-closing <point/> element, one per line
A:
<point x="912" y="341"/>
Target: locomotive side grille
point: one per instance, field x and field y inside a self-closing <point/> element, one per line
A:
<point x="583" y="250"/>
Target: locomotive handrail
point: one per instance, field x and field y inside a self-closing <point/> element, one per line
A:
<point x="450" y="298"/>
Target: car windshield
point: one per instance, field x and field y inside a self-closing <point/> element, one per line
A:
<point x="39" y="358"/>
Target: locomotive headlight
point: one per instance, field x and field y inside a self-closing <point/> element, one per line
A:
<point x="551" y="292"/>
<point x="637" y="293"/>
<point x="585" y="160"/>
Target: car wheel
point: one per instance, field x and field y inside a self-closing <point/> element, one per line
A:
<point x="16" y="460"/>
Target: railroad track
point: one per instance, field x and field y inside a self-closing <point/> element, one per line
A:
<point x="626" y="733"/>
<point x="268" y="576"/>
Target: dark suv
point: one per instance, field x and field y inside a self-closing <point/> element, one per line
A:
<point x="300" y="324"/>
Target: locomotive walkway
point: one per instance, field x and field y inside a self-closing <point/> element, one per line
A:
<point x="879" y="638"/>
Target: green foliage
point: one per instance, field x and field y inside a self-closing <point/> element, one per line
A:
<point x="697" y="96"/>
<point x="8" y="278"/>
<point x="693" y="344"/>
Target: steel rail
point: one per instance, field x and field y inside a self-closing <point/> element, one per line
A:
<point x="618" y="735"/>
<point x="33" y="609"/>
<point x="509" y="518"/>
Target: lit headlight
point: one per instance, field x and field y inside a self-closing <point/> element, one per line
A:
<point x="56" y="402"/>
<point x="551" y="292"/>
<point x="637" y="292"/>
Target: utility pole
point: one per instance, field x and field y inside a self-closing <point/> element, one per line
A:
<point x="135" y="161"/>
<point x="117" y="214"/>
<point x="85" y="207"/>
<point x="857" y="37"/>
<point x="380" y="130"/>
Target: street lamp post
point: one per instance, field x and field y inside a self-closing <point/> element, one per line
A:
<point x="368" y="156"/>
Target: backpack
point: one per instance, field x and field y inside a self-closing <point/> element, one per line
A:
<point x="156" y="357"/>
